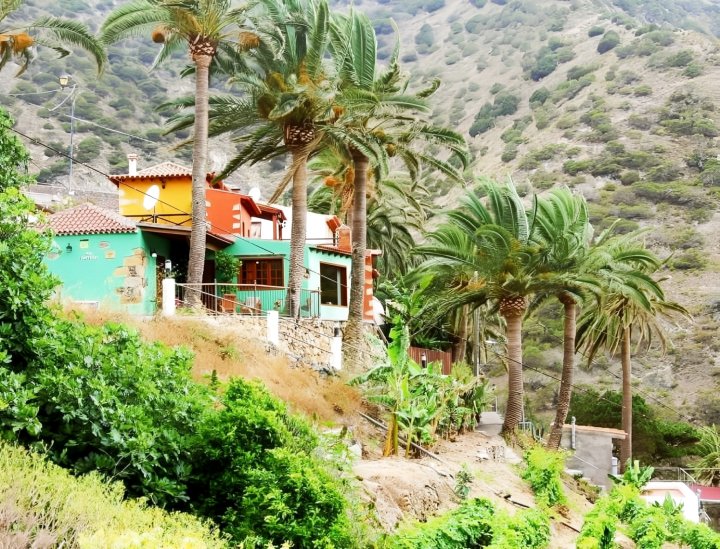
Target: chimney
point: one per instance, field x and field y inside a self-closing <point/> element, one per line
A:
<point x="132" y="163"/>
<point x="344" y="238"/>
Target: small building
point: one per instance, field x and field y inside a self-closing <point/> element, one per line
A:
<point x="592" y="451"/>
<point x="102" y="258"/>
<point x="656" y="491"/>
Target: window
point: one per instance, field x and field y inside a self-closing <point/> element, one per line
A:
<point x="256" y="229"/>
<point x="263" y="272"/>
<point x="333" y="285"/>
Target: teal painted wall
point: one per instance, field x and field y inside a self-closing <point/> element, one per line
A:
<point x="314" y="257"/>
<point x="114" y="270"/>
<point x="275" y="299"/>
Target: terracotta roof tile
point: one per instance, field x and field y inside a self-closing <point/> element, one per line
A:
<point x="90" y="219"/>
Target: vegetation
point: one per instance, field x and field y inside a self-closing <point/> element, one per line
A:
<point x="543" y="472"/>
<point x="649" y="526"/>
<point x="52" y="507"/>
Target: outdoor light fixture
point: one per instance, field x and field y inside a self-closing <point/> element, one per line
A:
<point x="423" y="360"/>
<point x="168" y="267"/>
<point x="153" y="254"/>
<point x="68" y="248"/>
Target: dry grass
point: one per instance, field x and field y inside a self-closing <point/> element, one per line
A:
<point x="230" y="354"/>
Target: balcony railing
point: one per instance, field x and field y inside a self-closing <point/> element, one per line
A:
<point x="248" y="299"/>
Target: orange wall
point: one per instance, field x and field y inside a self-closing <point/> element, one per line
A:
<point x="136" y="199"/>
<point x="226" y="214"/>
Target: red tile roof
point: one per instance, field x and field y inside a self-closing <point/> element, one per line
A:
<point x="90" y="219"/>
<point x="164" y="169"/>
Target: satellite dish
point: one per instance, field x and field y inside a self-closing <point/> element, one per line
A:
<point x="151" y="197"/>
<point x="255" y="194"/>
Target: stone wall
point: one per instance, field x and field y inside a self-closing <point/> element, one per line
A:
<point x="306" y="341"/>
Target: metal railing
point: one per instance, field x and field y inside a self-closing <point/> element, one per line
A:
<point x="674" y="473"/>
<point x="247" y="299"/>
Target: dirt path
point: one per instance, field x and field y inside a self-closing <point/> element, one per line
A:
<point x="419" y="488"/>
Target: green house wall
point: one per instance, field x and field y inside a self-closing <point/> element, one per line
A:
<point x="275" y="299"/>
<point x="116" y="271"/>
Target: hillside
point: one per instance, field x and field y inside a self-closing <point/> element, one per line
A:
<point x="615" y="98"/>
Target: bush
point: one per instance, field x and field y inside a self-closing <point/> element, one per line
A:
<point x="595" y="31"/>
<point x="254" y="474"/>
<point x="543" y="472"/>
<point x="609" y="40"/>
<point x="100" y="399"/>
<point x="509" y="153"/>
<point x="688" y="260"/>
<point x="50" y="507"/>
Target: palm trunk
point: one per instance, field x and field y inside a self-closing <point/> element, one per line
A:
<point x="567" y="372"/>
<point x="513" y="315"/>
<point x="298" y="231"/>
<point x="198" y="235"/>
<point x="353" y="336"/>
<point x="460" y="348"/>
<point x="626" y="424"/>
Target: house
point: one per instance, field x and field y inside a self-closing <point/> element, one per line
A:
<point x="155" y="206"/>
<point x="593" y="448"/>
<point x="102" y="258"/>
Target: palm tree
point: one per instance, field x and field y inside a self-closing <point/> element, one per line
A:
<point x="486" y="253"/>
<point x="287" y="98"/>
<point x="18" y="42"/>
<point x="560" y="227"/>
<point x="378" y="120"/>
<point x="629" y="308"/>
<point x="204" y="27"/>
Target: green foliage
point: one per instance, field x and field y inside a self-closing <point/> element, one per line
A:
<point x="25" y="283"/>
<point x="688" y="260"/>
<point x="13" y="157"/>
<point x="100" y="399"/>
<point x="609" y="40"/>
<point x="254" y="473"/>
<point x="463" y="481"/>
<point x="476" y="524"/>
<point x="226" y="266"/>
<point x="543" y="472"/>
<point x="504" y="103"/>
<point x="49" y="504"/>
<point x="595" y="31"/>
<point x="468" y="526"/>
<point x="526" y="529"/>
<point x="653" y="439"/>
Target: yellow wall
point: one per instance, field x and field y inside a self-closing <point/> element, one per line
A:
<point x="173" y="204"/>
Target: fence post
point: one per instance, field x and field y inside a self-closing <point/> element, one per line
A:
<point x="273" y="327"/>
<point x="336" y="350"/>
<point x="168" y="292"/>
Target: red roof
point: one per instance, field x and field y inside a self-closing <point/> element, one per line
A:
<point x="706" y="493"/>
<point x="164" y="169"/>
<point x="90" y="219"/>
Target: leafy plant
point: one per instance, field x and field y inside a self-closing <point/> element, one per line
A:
<point x="255" y="473"/>
<point x="463" y="480"/>
<point x="543" y="472"/>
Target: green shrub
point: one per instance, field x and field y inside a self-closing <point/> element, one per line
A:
<point x="49" y="504"/>
<point x="609" y="40"/>
<point x="467" y="526"/>
<point x="100" y="399"/>
<point x="543" y="472"/>
<point x="628" y="178"/>
<point x="539" y="96"/>
<point x="688" y="260"/>
<point x="509" y="153"/>
<point x="595" y="31"/>
<point x="254" y="474"/>
<point x="693" y="70"/>
<point x="581" y="70"/>
<point x="574" y="167"/>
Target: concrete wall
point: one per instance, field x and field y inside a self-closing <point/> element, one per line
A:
<point x="111" y="270"/>
<point x="592" y="455"/>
